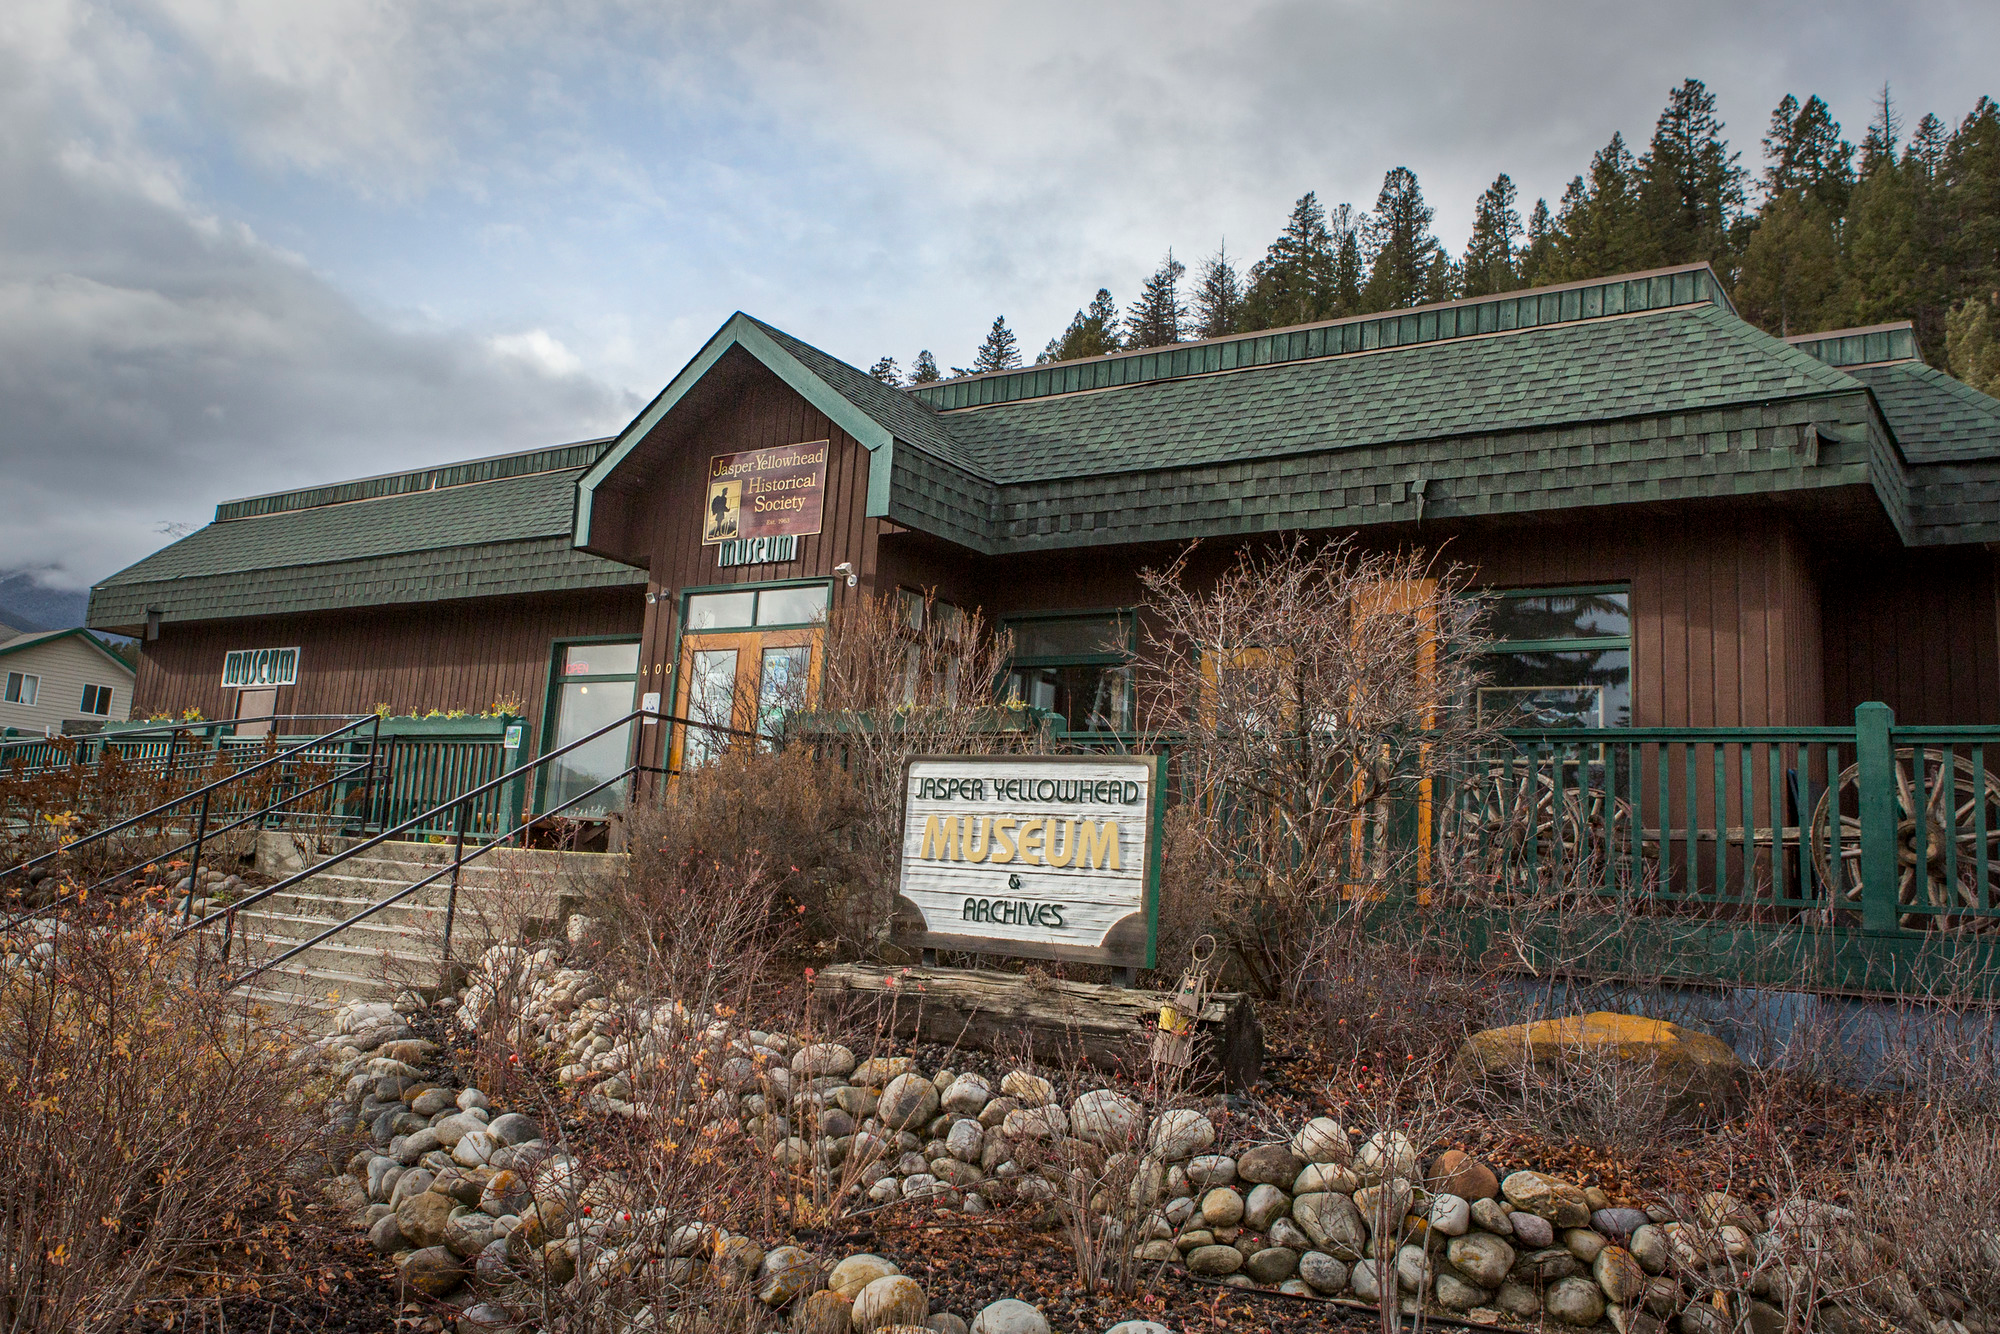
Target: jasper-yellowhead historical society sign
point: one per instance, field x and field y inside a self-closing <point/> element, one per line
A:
<point x="1041" y="857"/>
<point x="763" y="493"/>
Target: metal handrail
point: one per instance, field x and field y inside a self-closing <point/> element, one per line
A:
<point x="208" y="790"/>
<point x="510" y="776"/>
<point x="452" y="868"/>
<point x="196" y="842"/>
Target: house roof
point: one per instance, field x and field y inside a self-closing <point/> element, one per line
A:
<point x="1632" y="389"/>
<point x="44" y="638"/>
<point x="490" y="527"/>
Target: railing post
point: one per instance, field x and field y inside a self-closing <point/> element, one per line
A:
<point x="451" y="899"/>
<point x="1875" y="760"/>
<point x="194" y="863"/>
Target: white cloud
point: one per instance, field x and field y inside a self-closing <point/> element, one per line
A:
<point x="539" y="349"/>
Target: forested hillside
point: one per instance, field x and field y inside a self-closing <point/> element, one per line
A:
<point x="1825" y="234"/>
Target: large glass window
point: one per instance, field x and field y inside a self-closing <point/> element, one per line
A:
<point x="594" y="688"/>
<point x="756" y="608"/>
<point x="1561" y="657"/>
<point x="1077" y="667"/>
<point x="22" y="687"/>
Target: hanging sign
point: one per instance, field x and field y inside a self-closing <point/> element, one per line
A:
<point x="1040" y="857"/>
<point x="759" y="493"/>
<point x="260" y="667"/>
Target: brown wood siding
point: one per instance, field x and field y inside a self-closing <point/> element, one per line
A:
<point x="449" y="655"/>
<point x="1915" y="630"/>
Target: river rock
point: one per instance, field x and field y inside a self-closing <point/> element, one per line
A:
<point x="1181" y="1133"/>
<point x="1493" y="1216"/>
<point x="892" y="1299"/>
<point x="1321" y="1140"/>
<point x="1044" y="1121"/>
<point x="1029" y="1090"/>
<point x="1212" y="1169"/>
<point x="1323" y="1272"/>
<point x="909" y="1101"/>
<point x="1273" y="1264"/>
<point x="431" y="1270"/>
<point x="1649" y="1247"/>
<point x="1385" y="1204"/>
<point x="386" y="1236"/>
<point x="1264" y="1204"/>
<point x="856" y="1272"/>
<point x="822" y="1058"/>
<point x="514" y="1128"/>
<point x="432" y="1101"/>
<point x="1546" y="1265"/>
<point x="1222" y="1207"/>
<point x="1532" y="1230"/>
<point x="1008" y="1316"/>
<point x="785" y="1272"/>
<point x="1618" y="1222"/>
<point x="1138" y="1327"/>
<point x="1575" y="1301"/>
<point x="1414" y="1269"/>
<point x="966" y="1096"/>
<point x="423" y="1218"/>
<point x="1518" y="1300"/>
<point x="413" y="1147"/>
<point x="468" y="1232"/>
<point x="1455" y="1294"/>
<point x="1387" y="1153"/>
<point x="824" y="1312"/>
<point x="1585" y="1244"/>
<point x="1365" y="1277"/>
<point x="1284" y="1232"/>
<point x="1318" y="1177"/>
<point x="1546" y="1197"/>
<point x="966" y="1140"/>
<point x="1621" y="1276"/>
<point x="1481" y="1257"/>
<point x="1333" y="1223"/>
<point x="1449" y="1215"/>
<point x="1460" y="1174"/>
<point x="877" y="1071"/>
<point x="1269" y="1164"/>
<point x="474" y="1149"/>
<point x="1107" y="1119"/>
<point x="1214" y="1261"/>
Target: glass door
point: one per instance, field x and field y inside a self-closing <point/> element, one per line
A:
<point x="746" y="661"/>
<point x="594" y="687"/>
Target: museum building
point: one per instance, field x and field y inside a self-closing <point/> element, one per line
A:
<point x="1683" y="520"/>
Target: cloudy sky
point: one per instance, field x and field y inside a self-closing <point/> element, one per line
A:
<point x="247" y="244"/>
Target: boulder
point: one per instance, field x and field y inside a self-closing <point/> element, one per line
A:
<point x="822" y="1058"/>
<point x="966" y="1096"/>
<point x="1388" y="1153"/>
<point x="1575" y="1301"/>
<point x="1319" y="1177"/>
<point x="786" y="1272"/>
<point x="1694" y="1070"/>
<point x="1029" y="1090"/>
<point x="1481" y="1257"/>
<point x="1181" y="1134"/>
<point x="1269" y="1164"/>
<point x="1449" y="1216"/>
<point x="1455" y="1294"/>
<point x="1333" y="1223"/>
<point x="1107" y="1119"/>
<point x="1273" y="1264"/>
<point x="910" y="1100"/>
<point x="1621" y="1276"/>
<point x="824" y="1312"/>
<point x="856" y="1272"/>
<point x="892" y="1299"/>
<point x="1546" y="1197"/>
<point x="1009" y="1316"/>
<point x="1323" y="1272"/>
<point x="1460" y="1174"/>
<point x="1222" y="1207"/>
<point x="1214" y="1261"/>
<point x="1263" y="1206"/>
<point x="1321" y="1140"/>
<point x="423" y="1218"/>
<point x="433" y="1270"/>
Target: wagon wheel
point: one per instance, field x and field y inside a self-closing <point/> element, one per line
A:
<point x="1518" y="816"/>
<point x="1948" y="822"/>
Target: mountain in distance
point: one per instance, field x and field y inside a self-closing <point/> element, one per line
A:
<point x="27" y="605"/>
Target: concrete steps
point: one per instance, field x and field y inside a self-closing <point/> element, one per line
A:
<point x="507" y="893"/>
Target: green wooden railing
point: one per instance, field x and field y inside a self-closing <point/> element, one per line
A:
<point x="429" y="761"/>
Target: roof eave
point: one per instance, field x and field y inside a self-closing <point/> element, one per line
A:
<point x="742" y="331"/>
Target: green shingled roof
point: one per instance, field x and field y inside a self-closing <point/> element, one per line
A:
<point x="477" y="538"/>
<point x="1936" y="418"/>
<point x="1678" y="360"/>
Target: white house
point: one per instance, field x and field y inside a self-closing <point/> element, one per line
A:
<point x="58" y="676"/>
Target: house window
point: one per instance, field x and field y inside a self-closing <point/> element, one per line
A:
<point x="916" y="613"/>
<point x="1077" y="667"/>
<point x="22" y="688"/>
<point x="759" y="608"/>
<point x="97" y="700"/>
<point x="1561" y="657"/>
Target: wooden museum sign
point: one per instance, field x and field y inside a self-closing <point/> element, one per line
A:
<point x="1039" y="857"/>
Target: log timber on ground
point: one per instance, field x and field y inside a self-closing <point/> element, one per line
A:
<point x="1110" y="1027"/>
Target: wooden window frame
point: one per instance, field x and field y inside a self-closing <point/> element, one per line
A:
<point x="1127" y="616"/>
<point x="1578" y="644"/>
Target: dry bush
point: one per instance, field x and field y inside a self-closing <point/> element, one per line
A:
<point x="1315" y="697"/>
<point x="143" y="1116"/>
<point x="1403" y="983"/>
<point x="795" y="815"/>
<point x="887" y="691"/>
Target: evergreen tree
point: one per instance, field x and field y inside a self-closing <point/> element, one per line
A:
<point x="1000" y="352"/>
<point x="1218" y="299"/>
<point x="1805" y="154"/>
<point x="1790" y="281"/>
<point x="925" y="369"/>
<point x="1489" y="264"/>
<point x="1403" y="253"/>
<point x="1599" y="228"/>
<point x="1972" y="348"/>
<point x="1158" y="317"/>
<point x="1878" y="146"/>
<point x="887" y="371"/>
<point x="1969" y="179"/>
<point x="1538" y="258"/>
<point x="1295" y="282"/>
<point x="1348" y="271"/>
<point x="1691" y="185"/>
<point x="1092" y="332"/>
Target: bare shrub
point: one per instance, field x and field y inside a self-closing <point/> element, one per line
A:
<point x="896" y="683"/>
<point x="143" y="1116"/>
<point x="1315" y="695"/>
<point x="1401" y="983"/>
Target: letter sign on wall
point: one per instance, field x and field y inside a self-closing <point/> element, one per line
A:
<point x="764" y="493"/>
<point x="260" y="667"/>
<point x="1038" y="857"/>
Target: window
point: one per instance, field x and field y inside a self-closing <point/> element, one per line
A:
<point x="761" y="608"/>
<point x="1077" y="667"/>
<point x="22" y="688"/>
<point x="97" y="700"/>
<point x="1562" y="657"/>
<point x="593" y="689"/>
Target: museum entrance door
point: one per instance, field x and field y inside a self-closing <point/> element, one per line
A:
<point x="747" y="658"/>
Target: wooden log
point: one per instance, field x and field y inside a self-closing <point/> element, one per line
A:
<point x="1109" y="1028"/>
